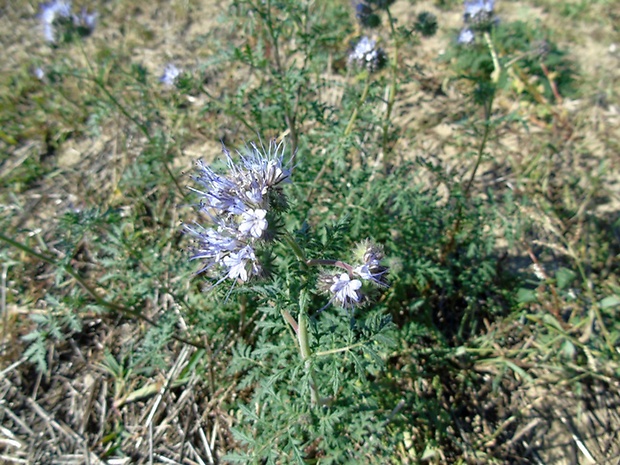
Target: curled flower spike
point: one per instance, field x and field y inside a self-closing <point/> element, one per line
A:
<point x="367" y="55"/>
<point x="243" y="204"/>
<point x="350" y="289"/>
<point x="426" y="24"/>
<point x="371" y="269"/>
<point x="366" y="15"/>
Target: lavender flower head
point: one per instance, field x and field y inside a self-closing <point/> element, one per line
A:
<point x="85" y="22"/>
<point x="57" y="13"/>
<point x="50" y="13"/>
<point x="242" y="205"/>
<point x="367" y="55"/>
<point x="466" y="37"/>
<point x="346" y="290"/>
<point x="370" y="255"/>
<point x="39" y="73"/>
<point x="171" y="73"/>
<point x="479" y="13"/>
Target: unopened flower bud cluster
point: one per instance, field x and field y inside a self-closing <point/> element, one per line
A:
<point x="366" y="12"/>
<point x="243" y="206"/>
<point x="478" y="16"/>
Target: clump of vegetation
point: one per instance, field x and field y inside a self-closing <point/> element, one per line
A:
<point x="329" y="289"/>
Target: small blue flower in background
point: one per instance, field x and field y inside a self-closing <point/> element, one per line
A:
<point x="39" y="73"/>
<point x="475" y="7"/>
<point x="478" y="17"/>
<point x="466" y="37"/>
<point x="171" y="73"/>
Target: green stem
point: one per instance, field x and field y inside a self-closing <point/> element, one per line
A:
<point x="122" y="109"/>
<point x="304" y="349"/>
<point x="360" y="102"/>
<point x="226" y="110"/>
<point x="289" y="113"/>
<point x="142" y="126"/>
<point x="345" y="134"/>
<point x="488" y="106"/>
<point x="339" y="350"/>
<point x="485" y="137"/>
<point x="497" y="67"/>
<point x="392" y="88"/>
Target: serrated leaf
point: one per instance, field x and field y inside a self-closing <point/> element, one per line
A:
<point x="242" y="437"/>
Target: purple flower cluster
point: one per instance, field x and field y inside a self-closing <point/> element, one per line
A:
<point x="367" y="55"/>
<point x="478" y="16"/>
<point x="478" y="11"/>
<point x="85" y="21"/>
<point x="242" y="206"/>
<point x="348" y="288"/>
<point x="58" y="12"/>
